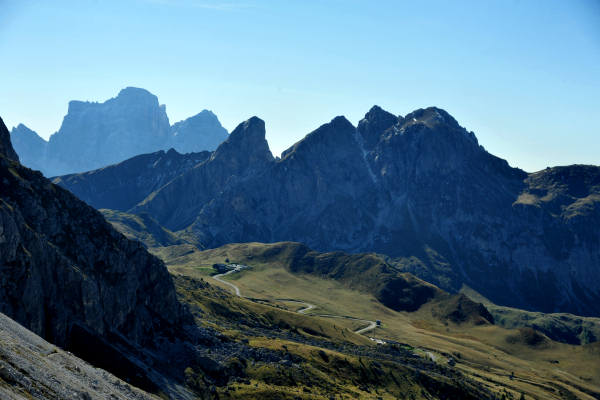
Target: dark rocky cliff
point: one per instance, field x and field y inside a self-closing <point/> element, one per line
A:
<point x="69" y="277"/>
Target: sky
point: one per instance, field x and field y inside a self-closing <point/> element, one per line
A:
<point x="524" y="75"/>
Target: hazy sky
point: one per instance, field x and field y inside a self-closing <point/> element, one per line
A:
<point x="523" y="75"/>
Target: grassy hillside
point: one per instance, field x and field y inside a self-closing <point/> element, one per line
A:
<point x="293" y="356"/>
<point x="445" y="326"/>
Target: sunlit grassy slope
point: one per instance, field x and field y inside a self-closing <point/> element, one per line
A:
<point x="516" y="360"/>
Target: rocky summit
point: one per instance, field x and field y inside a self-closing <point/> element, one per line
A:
<point x="417" y="188"/>
<point x="94" y="135"/>
<point x="186" y="137"/>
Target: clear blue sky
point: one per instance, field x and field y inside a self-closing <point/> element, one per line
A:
<point x="523" y="75"/>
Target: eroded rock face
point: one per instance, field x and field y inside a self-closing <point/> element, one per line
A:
<point x="419" y="189"/>
<point x="69" y="277"/>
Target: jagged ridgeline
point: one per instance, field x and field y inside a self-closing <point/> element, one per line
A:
<point x="94" y="135"/>
<point x="417" y="188"/>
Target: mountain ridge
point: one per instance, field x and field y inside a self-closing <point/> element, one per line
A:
<point x="418" y="187"/>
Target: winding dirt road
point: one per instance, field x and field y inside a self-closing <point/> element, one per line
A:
<point x="307" y="306"/>
<point x="231" y="285"/>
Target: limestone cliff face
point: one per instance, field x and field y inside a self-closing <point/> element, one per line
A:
<point x="94" y="135"/>
<point x="419" y="189"/>
<point x="67" y="275"/>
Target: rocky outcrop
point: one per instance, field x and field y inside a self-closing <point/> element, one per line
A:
<point x="94" y="135"/>
<point x="419" y="189"/>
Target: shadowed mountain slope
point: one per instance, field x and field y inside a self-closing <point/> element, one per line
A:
<point x="71" y="278"/>
<point x="121" y="186"/>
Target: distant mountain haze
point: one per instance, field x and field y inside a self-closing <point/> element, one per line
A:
<point x="418" y="188"/>
<point x="94" y="135"/>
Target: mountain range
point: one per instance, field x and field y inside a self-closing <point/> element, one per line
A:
<point x="418" y="189"/>
<point x="87" y="313"/>
<point x="70" y="283"/>
<point x="94" y="135"/>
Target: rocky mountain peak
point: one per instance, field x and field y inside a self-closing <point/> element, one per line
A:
<point x="432" y="117"/>
<point x="6" y="148"/>
<point x="29" y="145"/>
<point x="22" y="128"/>
<point x="203" y="131"/>
<point x="137" y="95"/>
<point x="336" y="134"/>
<point x="248" y="139"/>
<point x="375" y="122"/>
<point x="434" y="128"/>
<point x="205" y="117"/>
<point x="23" y="133"/>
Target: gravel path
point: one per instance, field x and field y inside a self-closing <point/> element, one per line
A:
<point x="234" y="287"/>
<point x="307" y="306"/>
